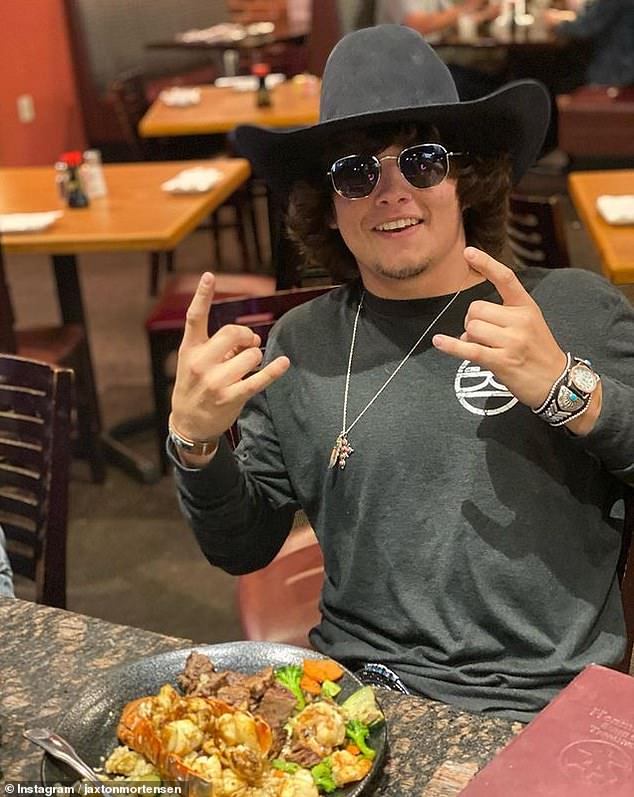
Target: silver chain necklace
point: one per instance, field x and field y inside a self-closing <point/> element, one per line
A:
<point x="342" y="448"/>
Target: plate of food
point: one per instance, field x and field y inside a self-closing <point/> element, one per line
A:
<point x="239" y="719"/>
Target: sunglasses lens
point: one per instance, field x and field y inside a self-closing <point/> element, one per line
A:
<point x="355" y="176"/>
<point x="425" y="165"/>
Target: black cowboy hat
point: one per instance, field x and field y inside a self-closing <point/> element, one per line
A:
<point x="389" y="73"/>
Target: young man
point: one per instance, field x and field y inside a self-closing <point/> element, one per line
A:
<point x="456" y="459"/>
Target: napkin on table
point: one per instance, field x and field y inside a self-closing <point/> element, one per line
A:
<point x="616" y="209"/>
<point x="27" y="222"/>
<point x="180" y="96"/>
<point x="249" y="82"/>
<point x="192" y="181"/>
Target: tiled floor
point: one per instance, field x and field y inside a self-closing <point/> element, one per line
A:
<point x="132" y="559"/>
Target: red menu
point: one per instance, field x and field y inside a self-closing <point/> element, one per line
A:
<point x="580" y="745"/>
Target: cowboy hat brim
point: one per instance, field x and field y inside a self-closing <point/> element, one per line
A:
<point x="513" y="119"/>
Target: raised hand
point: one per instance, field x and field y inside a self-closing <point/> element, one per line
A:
<point x="211" y="384"/>
<point x="512" y="340"/>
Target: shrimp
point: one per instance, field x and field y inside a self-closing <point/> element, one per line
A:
<point x="320" y="727"/>
<point x="347" y="768"/>
<point x="181" y="737"/>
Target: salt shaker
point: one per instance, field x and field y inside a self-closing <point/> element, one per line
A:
<point x="92" y="174"/>
<point x="61" y="179"/>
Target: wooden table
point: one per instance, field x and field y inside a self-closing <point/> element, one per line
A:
<point x="222" y="109"/>
<point x="135" y="215"/>
<point x="615" y="243"/>
<point x="283" y="33"/>
<point x="48" y="656"/>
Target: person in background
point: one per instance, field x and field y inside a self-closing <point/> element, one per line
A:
<point x="431" y="17"/>
<point x="456" y="433"/>
<point x="473" y="76"/>
<point x="609" y="25"/>
<point x="6" y="574"/>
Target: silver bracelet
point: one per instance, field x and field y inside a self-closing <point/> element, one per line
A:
<point x="571" y="393"/>
<point x="556" y="385"/>
<point x="196" y="447"/>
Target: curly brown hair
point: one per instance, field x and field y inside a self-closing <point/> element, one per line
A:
<point x="483" y="187"/>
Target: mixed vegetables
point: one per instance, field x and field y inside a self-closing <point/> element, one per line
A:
<point x="317" y="746"/>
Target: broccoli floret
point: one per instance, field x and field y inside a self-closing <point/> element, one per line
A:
<point x="330" y="689"/>
<point x="323" y="777"/>
<point x="285" y="766"/>
<point x="290" y="676"/>
<point x="358" y="731"/>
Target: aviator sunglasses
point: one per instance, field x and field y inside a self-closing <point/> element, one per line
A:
<point x="422" y="165"/>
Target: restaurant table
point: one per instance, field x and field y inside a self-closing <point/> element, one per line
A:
<point x="135" y="215"/>
<point x="48" y="656"/>
<point x="293" y="104"/>
<point x="283" y="33"/>
<point x="614" y="242"/>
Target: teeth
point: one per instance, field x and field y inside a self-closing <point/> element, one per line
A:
<point x="397" y="224"/>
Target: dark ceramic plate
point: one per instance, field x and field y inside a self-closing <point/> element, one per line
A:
<point x="90" y="724"/>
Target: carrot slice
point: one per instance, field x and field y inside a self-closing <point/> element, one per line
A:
<point x="309" y="684"/>
<point x="322" y="670"/>
<point x="352" y="749"/>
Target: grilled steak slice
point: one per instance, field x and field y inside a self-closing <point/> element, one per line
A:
<point x="302" y="756"/>
<point x="276" y="707"/>
<point x="237" y="696"/>
<point x="199" y="677"/>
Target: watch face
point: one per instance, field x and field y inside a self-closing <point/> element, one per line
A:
<point x="583" y="378"/>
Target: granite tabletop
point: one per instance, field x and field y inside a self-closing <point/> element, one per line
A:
<point x="48" y="657"/>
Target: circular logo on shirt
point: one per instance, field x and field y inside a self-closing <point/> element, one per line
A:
<point x="479" y="392"/>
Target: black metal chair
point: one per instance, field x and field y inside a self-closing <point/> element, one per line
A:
<point x="35" y="423"/>
<point x="63" y="346"/>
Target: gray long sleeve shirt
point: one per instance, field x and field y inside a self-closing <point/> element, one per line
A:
<point x="467" y="544"/>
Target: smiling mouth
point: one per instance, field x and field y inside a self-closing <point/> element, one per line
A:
<point x="398" y="225"/>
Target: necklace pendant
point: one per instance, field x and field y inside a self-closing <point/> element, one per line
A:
<point x="340" y="452"/>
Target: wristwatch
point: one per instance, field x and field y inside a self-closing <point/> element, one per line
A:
<point x="197" y="447"/>
<point x="570" y="395"/>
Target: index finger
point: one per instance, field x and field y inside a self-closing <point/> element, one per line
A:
<point x="198" y="312"/>
<point x="505" y="280"/>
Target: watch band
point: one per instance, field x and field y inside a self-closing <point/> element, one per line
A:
<point x="197" y="447"/>
<point x="566" y="400"/>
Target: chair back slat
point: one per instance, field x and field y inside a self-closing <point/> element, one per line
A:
<point x="536" y="232"/>
<point x="35" y="426"/>
<point x="22" y="493"/>
<point x="25" y="454"/>
<point x="23" y="401"/>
